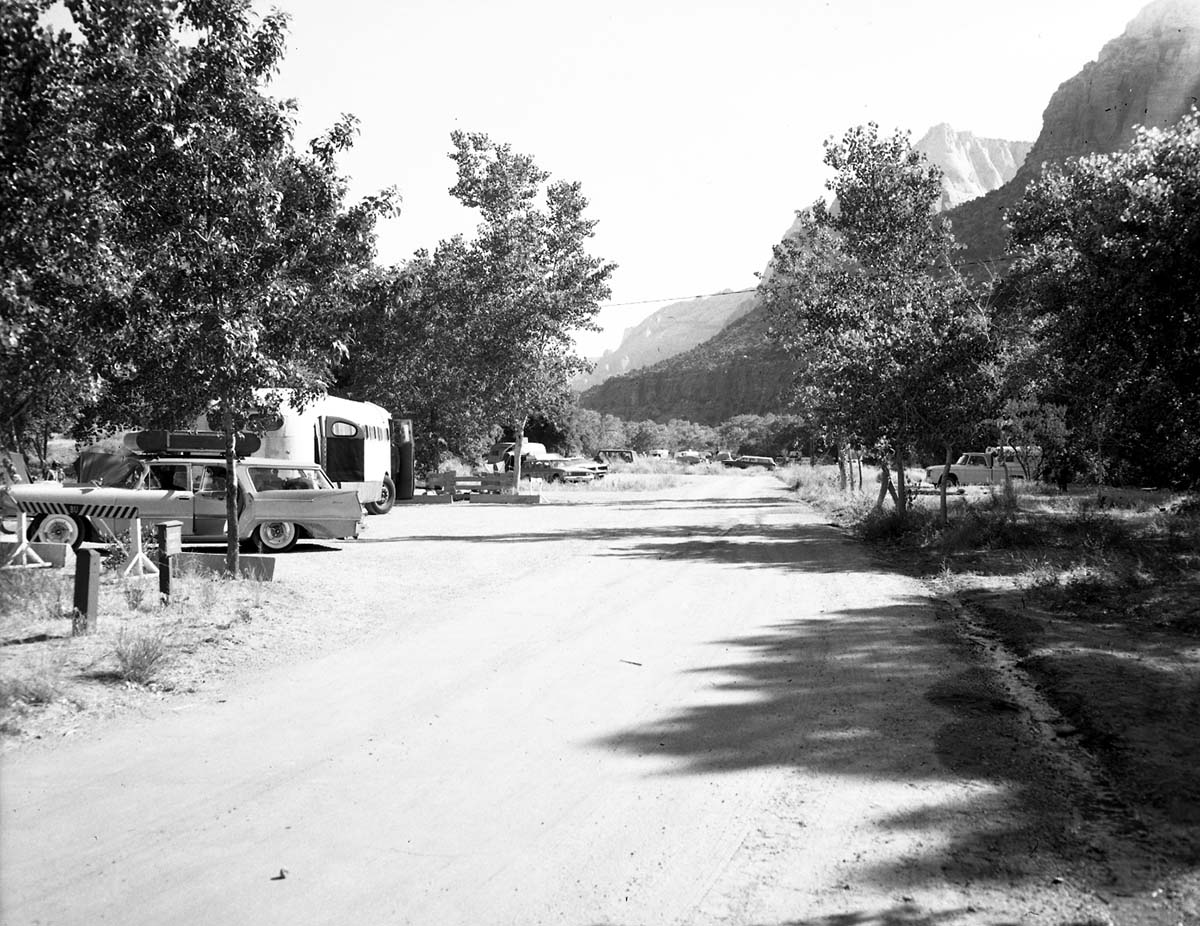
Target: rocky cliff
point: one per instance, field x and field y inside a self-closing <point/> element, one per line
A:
<point x="670" y="331"/>
<point x="971" y="166"/>
<point x="1150" y="75"/>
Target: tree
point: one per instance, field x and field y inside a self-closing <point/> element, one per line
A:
<point x="64" y="275"/>
<point x="1109" y="272"/>
<point x="237" y="263"/>
<point x="888" y="340"/>
<point x="481" y="331"/>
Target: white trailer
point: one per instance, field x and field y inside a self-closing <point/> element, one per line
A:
<point x="351" y="441"/>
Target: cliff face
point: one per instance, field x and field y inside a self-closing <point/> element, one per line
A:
<point x="971" y="166"/>
<point x="1150" y="75"/>
<point x="670" y="331"/>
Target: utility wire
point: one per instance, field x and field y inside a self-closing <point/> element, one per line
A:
<point x="735" y="292"/>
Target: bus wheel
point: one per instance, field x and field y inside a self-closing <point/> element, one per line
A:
<point x="276" y="536"/>
<point x="58" y="528"/>
<point x="387" y="498"/>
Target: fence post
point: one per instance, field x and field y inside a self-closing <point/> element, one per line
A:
<point x="87" y="591"/>
<point x="169" y="543"/>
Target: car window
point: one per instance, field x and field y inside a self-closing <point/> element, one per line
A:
<point x="172" y="477"/>
<point x="274" y="478"/>
<point x="212" y="479"/>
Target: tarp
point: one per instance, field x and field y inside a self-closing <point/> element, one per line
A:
<point x="106" y="468"/>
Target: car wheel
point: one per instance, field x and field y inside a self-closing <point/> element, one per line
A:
<point x="553" y="477"/>
<point x="951" y="481"/>
<point x="387" y="498"/>
<point x="276" y="536"/>
<point x="58" y="528"/>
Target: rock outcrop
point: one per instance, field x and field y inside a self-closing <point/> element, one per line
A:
<point x="971" y="166"/>
<point x="1149" y="75"/>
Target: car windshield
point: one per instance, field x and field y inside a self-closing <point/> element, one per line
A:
<point x="271" y="478"/>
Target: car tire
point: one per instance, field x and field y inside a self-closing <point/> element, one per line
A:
<point x="58" y="528"/>
<point x="553" y="477"/>
<point x="275" y="536"/>
<point x="387" y="498"/>
<point x="951" y="481"/>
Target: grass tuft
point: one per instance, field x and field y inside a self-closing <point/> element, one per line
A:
<point x="141" y="656"/>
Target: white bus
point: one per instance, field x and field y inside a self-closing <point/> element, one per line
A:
<point x="352" y="442"/>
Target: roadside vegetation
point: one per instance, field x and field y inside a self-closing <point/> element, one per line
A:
<point x="1094" y="594"/>
<point x="49" y="679"/>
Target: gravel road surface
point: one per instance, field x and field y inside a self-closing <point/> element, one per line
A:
<point x="694" y="706"/>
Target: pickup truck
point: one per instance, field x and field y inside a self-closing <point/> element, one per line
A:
<point x="974" y="469"/>
<point x="279" y="501"/>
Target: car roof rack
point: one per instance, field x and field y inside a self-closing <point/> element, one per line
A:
<point x="189" y="443"/>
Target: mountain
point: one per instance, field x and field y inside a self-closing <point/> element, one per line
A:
<point x="671" y="330"/>
<point x="1149" y="75"/>
<point x="971" y="166"/>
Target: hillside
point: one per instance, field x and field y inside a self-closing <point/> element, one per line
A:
<point x="671" y="330"/>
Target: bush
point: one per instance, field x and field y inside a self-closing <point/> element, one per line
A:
<point x="141" y="656"/>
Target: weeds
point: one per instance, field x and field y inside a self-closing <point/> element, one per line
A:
<point x="135" y="594"/>
<point x="141" y="656"/>
<point x="40" y="683"/>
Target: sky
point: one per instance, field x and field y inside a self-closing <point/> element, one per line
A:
<point x="694" y="126"/>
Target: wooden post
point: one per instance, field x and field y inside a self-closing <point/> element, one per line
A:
<point x="87" y="591"/>
<point x="169" y="543"/>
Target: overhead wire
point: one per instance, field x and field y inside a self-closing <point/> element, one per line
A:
<point x="736" y="292"/>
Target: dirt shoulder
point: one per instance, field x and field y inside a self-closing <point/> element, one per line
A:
<point x="1085" y="612"/>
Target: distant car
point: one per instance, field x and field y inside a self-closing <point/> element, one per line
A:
<point x="615" y="456"/>
<point x="553" y="467"/>
<point x="500" y="456"/>
<point x="974" y="469"/>
<point x="689" y="457"/>
<point x="747" y="461"/>
<point x="279" y="502"/>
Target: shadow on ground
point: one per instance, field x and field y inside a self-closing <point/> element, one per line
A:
<point x="832" y="695"/>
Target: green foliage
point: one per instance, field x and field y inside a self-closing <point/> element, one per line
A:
<point x="479" y="332"/>
<point x="1110" y="273"/>
<point x="889" y="342"/>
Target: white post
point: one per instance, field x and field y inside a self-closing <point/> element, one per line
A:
<point x="24" y="554"/>
<point x="137" y="558"/>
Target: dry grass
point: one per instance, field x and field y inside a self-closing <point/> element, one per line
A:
<point x="137" y="645"/>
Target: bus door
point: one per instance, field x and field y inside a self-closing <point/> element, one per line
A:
<point x="343" y="449"/>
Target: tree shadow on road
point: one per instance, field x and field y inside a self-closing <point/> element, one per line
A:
<point x="835" y="695"/>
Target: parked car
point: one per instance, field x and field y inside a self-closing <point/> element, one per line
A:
<point x="553" y="467"/>
<point x="976" y="468"/>
<point x="279" y="502"/>
<point x="609" y="455"/>
<point x="689" y="457"/>
<point x="748" y="461"/>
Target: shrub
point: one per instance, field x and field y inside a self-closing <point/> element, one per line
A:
<point x="141" y="656"/>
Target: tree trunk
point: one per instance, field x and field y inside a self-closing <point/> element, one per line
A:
<point x="518" y="450"/>
<point x="885" y="484"/>
<point x="901" y="487"/>
<point x="841" y="460"/>
<point x="945" y="483"/>
<point x="231" y="492"/>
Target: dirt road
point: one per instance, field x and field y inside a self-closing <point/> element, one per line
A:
<point x="695" y="706"/>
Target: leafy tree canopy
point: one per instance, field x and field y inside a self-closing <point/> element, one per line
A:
<point x="1109" y="273"/>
